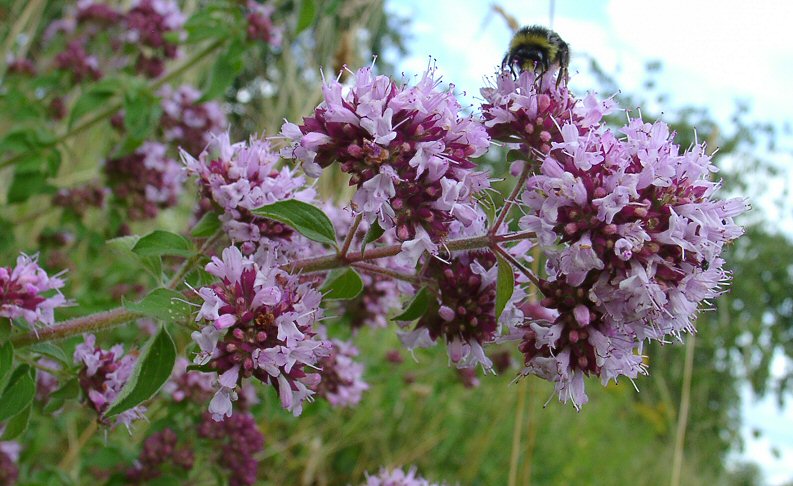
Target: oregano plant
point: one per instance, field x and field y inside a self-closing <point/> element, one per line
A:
<point x="606" y="239"/>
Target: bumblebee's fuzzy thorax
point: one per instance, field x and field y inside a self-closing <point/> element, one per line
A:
<point x="535" y="48"/>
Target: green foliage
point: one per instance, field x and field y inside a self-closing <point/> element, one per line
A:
<point x="342" y="284"/>
<point x="207" y="226"/>
<point x="152" y="370"/>
<point x="164" y="304"/>
<point x="160" y="243"/>
<point x="18" y="393"/>
<point x="304" y="218"/>
<point x="373" y="234"/>
<point x="505" y="285"/>
<point x="417" y="306"/>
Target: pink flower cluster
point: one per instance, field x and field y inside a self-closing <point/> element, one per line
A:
<point x="260" y="24"/>
<point x="462" y="314"/>
<point x="160" y="450"/>
<point x="146" y="180"/>
<point x="260" y="324"/>
<point x="103" y="375"/>
<point x="237" y="440"/>
<point x="407" y="149"/>
<point x="528" y="112"/>
<point x="241" y="177"/>
<point x="633" y="238"/>
<point x="342" y="377"/>
<point x="27" y="292"/>
<point x="143" y="30"/>
<point x="147" y="24"/>
<point x="188" y="123"/>
<point x="397" y="477"/>
<point x="9" y="459"/>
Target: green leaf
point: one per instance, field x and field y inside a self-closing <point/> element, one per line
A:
<point x="122" y="247"/>
<point x="417" y="307"/>
<point x="342" y="285"/>
<point x="5" y="331"/>
<point x="27" y="184"/>
<point x="505" y="285"/>
<point x="374" y="233"/>
<point x="308" y="10"/>
<point x="152" y="370"/>
<point x="204" y="368"/>
<point x="67" y="391"/>
<point x="487" y="205"/>
<point x="19" y="393"/>
<point x="207" y="226"/>
<point x="516" y="154"/>
<point x="17" y="425"/>
<point x="306" y="219"/>
<point x="51" y="350"/>
<point x="163" y="304"/>
<point x="141" y="115"/>
<point x="94" y="97"/>
<point x="6" y="361"/>
<point x="159" y="243"/>
<point x="227" y="67"/>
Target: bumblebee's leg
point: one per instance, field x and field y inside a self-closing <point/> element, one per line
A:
<point x="562" y="74"/>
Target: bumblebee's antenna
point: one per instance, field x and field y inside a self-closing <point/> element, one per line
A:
<point x="551" y="11"/>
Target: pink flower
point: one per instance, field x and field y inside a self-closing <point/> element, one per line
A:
<point x="463" y="314"/>
<point x="640" y="240"/>
<point x="188" y="123"/>
<point x="407" y="148"/>
<point x="27" y="292"/>
<point x="103" y="375"/>
<point x="242" y="177"/>
<point x="261" y="325"/>
<point x="342" y="377"/>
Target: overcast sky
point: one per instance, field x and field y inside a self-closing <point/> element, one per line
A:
<point x="713" y="54"/>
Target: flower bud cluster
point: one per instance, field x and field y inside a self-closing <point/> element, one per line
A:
<point x="160" y="452"/>
<point x="27" y="292"/>
<point x="462" y="313"/>
<point x="145" y="181"/>
<point x="9" y="459"/>
<point x="79" y="199"/>
<point x="261" y="325"/>
<point x="186" y="122"/>
<point x="103" y="375"/>
<point x="145" y="31"/>
<point x="76" y="61"/>
<point x="147" y="24"/>
<point x="407" y="149"/>
<point x="633" y="238"/>
<point x="237" y="439"/>
<point x="260" y="24"/>
<point x="342" y="377"/>
<point x="189" y="386"/>
<point x="242" y="177"/>
<point x="529" y="111"/>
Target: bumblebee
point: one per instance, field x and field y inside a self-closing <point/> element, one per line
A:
<point x="537" y="49"/>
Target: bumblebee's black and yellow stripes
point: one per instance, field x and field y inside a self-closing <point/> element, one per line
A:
<point x="537" y="49"/>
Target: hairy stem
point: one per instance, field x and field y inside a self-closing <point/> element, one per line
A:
<point x="387" y="272"/>
<point x="345" y="247"/>
<point x="107" y="319"/>
<point x="78" y="325"/>
<point x="525" y="271"/>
